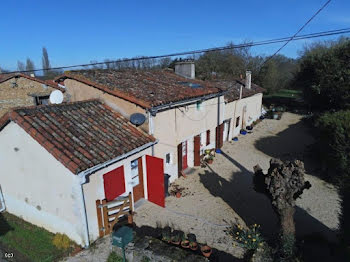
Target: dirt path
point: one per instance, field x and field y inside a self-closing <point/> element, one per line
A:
<point x="223" y="192"/>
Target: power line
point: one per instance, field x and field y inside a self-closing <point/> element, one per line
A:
<point x="300" y="29"/>
<point x="222" y="48"/>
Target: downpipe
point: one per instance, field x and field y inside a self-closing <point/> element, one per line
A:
<point x="2" y="201"/>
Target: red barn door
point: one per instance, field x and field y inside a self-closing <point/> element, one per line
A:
<point x="155" y="180"/>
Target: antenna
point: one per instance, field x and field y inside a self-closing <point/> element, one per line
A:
<point x="56" y="97"/>
<point x="137" y="119"/>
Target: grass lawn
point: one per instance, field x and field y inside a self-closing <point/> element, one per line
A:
<point x="289" y="93"/>
<point x="31" y="242"/>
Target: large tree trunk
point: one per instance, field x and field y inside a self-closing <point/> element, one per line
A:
<point x="287" y="221"/>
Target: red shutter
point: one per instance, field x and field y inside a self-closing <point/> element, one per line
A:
<point x="114" y="183"/>
<point x="179" y="159"/>
<point x="197" y="147"/>
<point x="208" y="137"/>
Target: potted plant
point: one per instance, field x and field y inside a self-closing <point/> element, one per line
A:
<point x="166" y="233"/>
<point x="193" y="241"/>
<point x="210" y="159"/>
<point x="185" y="243"/>
<point x="175" y="237"/>
<point x="178" y="194"/>
<point x="206" y="250"/>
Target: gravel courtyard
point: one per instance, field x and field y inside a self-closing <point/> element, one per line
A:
<point x="223" y="193"/>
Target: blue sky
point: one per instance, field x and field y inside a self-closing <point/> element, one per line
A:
<point x="77" y="31"/>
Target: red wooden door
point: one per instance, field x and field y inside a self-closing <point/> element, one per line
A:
<point x="184" y="155"/>
<point x="114" y="183"/>
<point x="138" y="189"/>
<point x="155" y="180"/>
<point x="196" y="151"/>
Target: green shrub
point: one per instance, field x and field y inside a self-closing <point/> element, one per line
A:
<point x="61" y="241"/>
<point x="249" y="238"/>
<point x="113" y="257"/>
<point x="334" y="144"/>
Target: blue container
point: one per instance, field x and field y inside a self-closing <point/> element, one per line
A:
<point x="243" y="132"/>
<point x="218" y="151"/>
<point x="235" y="139"/>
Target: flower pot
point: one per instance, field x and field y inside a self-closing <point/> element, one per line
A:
<point x="185" y="244"/>
<point x="193" y="246"/>
<point x="175" y="242"/>
<point x="210" y="161"/>
<point x="178" y="194"/>
<point x="206" y="250"/>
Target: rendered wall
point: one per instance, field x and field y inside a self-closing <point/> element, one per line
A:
<point x="37" y="187"/>
<point x="77" y="91"/>
<point x="94" y="188"/>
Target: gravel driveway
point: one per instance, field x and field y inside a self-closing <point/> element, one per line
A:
<point x="222" y="193"/>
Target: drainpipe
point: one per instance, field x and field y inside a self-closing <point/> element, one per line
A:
<point x="2" y="202"/>
<point x="82" y="181"/>
<point x="82" y="175"/>
<point x="151" y="128"/>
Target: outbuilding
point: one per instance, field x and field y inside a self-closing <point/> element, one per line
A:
<point x="75" y="168"/>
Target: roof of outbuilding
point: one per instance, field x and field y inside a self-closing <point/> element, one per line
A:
<point x="233" y="88"/>
<point x="50" y="83"/>
<point x="81" y="134"/>
<point x="144" y="88"/>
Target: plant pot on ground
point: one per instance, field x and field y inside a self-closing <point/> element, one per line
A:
<point x="176" y="237"/>
<point x="166" y="234"/>
<point x="178" y="194"/>
<point x="193" y="241"/>
<point x="185" y="243"/>
<point x="206" y="250"/>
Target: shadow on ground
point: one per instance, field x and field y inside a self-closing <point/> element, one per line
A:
<point x="295" y="142"/>
<point x="254" y="207"/>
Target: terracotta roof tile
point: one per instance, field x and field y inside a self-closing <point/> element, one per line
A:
<point x="233" y="88"/>
<point x="144" y="88"/>
<point x="81" y="134"/>
<point x="51" y="83"/>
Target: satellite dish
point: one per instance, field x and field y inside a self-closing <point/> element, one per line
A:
<point x="56" y="97"/>
<point x="137" y="119"/>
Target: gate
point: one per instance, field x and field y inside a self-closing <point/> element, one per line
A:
<point x="109" y="213"/>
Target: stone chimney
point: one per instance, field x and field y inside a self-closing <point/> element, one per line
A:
<point x="248" y="79"/>
<point x="185" y="69"/>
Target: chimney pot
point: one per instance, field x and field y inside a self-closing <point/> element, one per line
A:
<point x="248" y="79"/>
<point x="185" y="69"/>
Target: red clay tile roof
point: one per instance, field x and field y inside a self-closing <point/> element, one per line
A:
<point x="81" y="134"/>
<point x="233" y="88"/>
<point x="144" y="88"/>
<point x="50" y="83"/>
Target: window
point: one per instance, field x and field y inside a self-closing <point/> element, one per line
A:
<point x="199" y="105"/>
<point x="42" y="100"/>
<point x="168" y="158"/>
<point x="135" y="172"/>
<point x="208" y="137"/>
<point x="237" y="121"/>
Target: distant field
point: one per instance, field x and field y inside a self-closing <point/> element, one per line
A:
<point x="288" y="93"/>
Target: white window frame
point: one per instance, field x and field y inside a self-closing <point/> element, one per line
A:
<point x="134" y="171"/>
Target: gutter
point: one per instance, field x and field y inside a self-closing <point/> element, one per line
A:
<point x="83" y="178"/>
<point x="154" y="110"/>
<point x="2" y="202"/>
